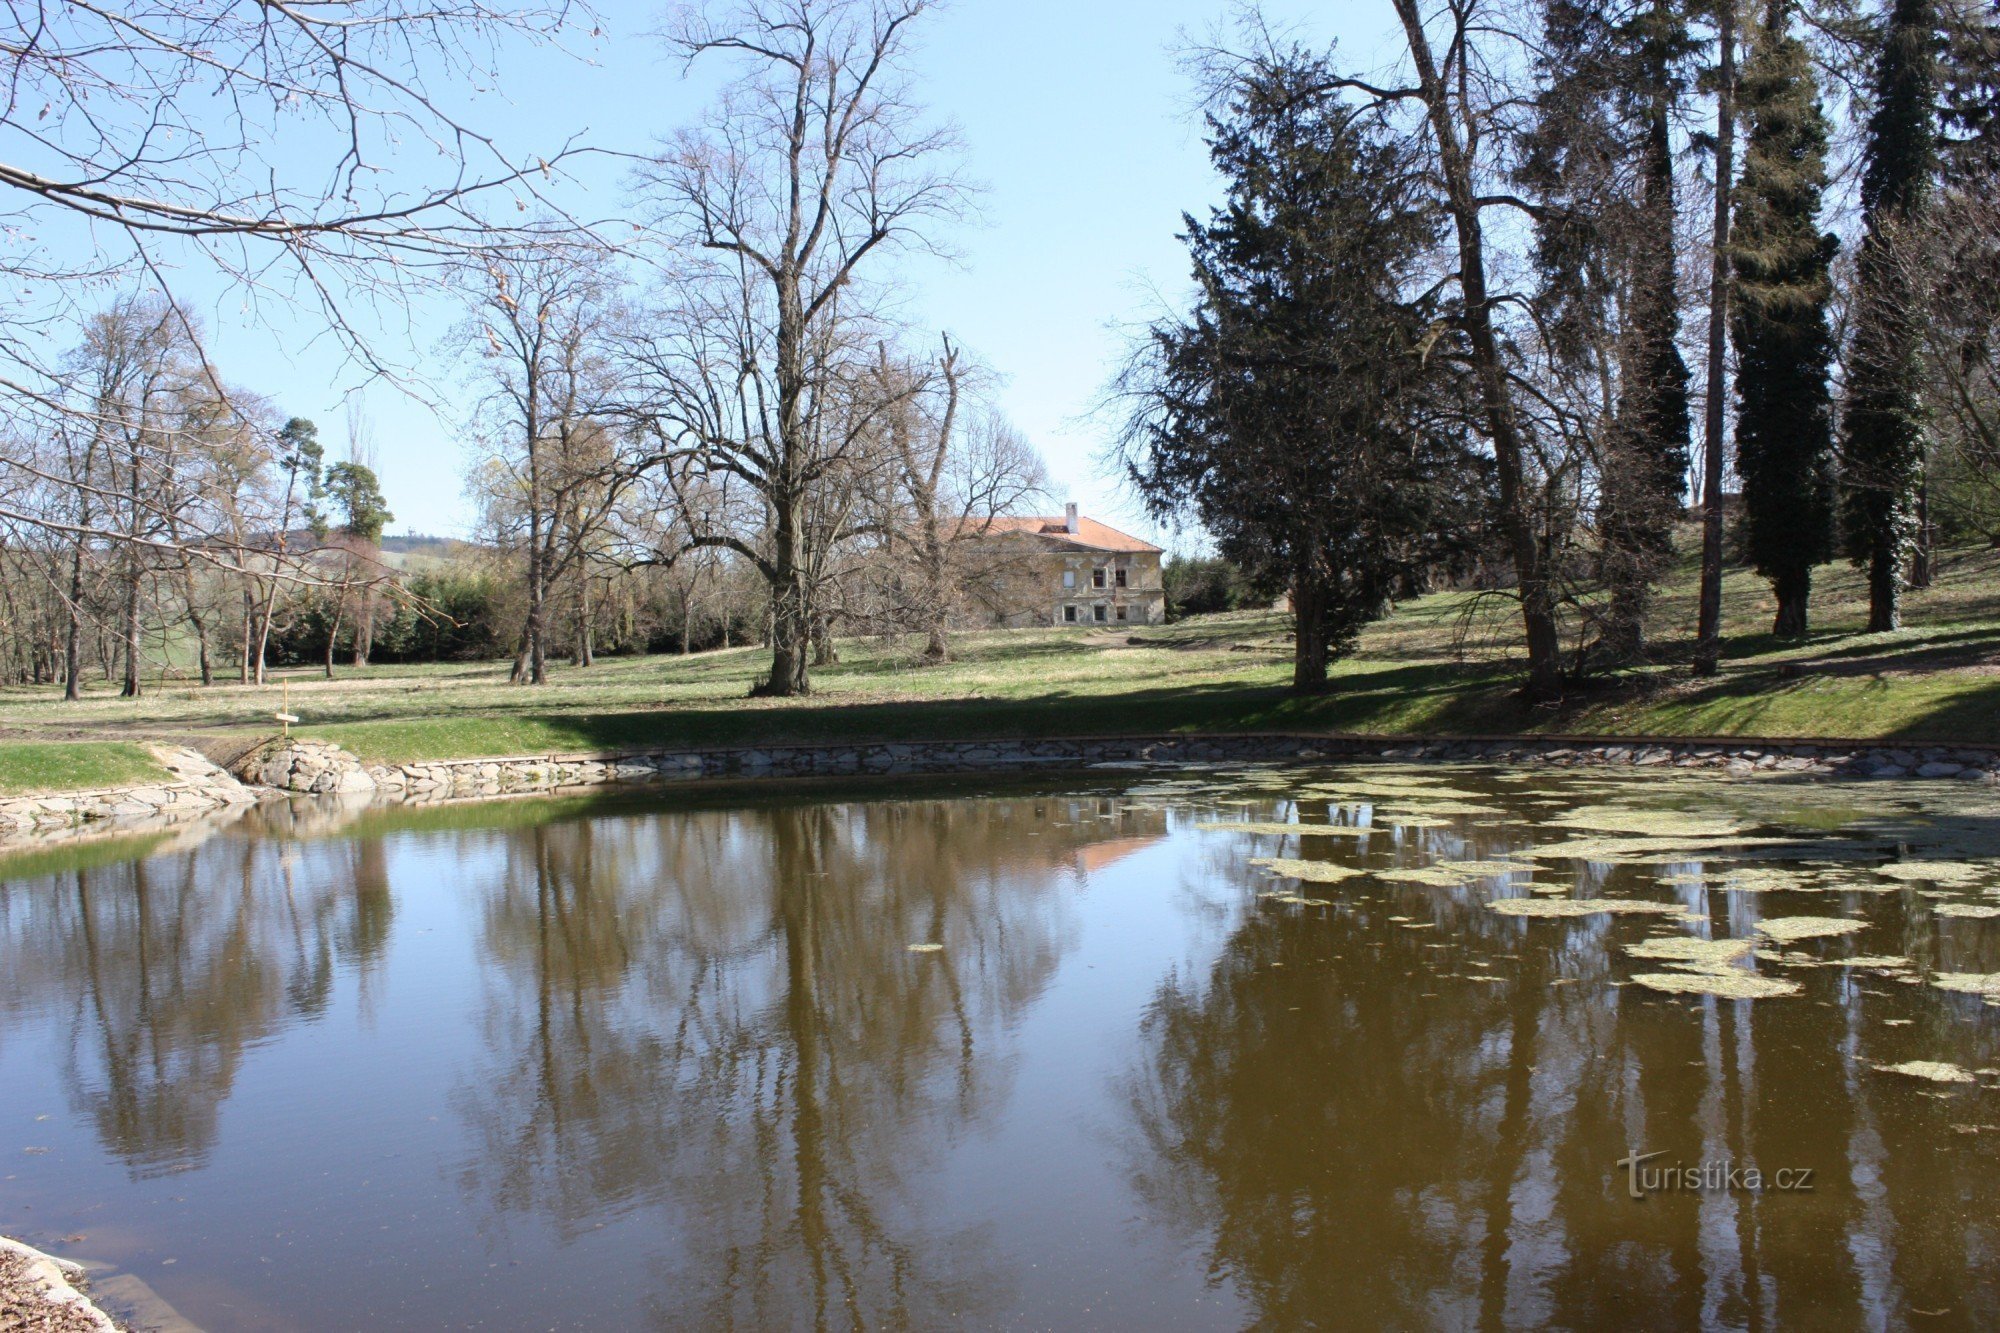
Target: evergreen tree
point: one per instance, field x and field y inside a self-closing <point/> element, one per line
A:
<point x="1883" y="457"/>
<point x="1296" y="412"/>
<point x="1642" y="477"/>
<point x="1782" y="261"/>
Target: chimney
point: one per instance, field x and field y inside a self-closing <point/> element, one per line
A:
<point x="1069" y="517"/>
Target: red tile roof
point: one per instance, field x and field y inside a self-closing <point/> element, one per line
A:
<point x="1090" y="534"/>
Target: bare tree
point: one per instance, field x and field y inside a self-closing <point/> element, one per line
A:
<point x="813" y="169"/>
<point x="1464" y="116"/>
<point x="953" y="476"/>
<point x="541" y="334"/>
<point x="142" y="145"/>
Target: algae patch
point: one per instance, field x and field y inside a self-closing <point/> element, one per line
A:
<point x="1790" y="929"/>
<point x="1316" y="872"/>
<point x="1937" y="1071"/>
<point x="1558" y="907"/>
<point x="1732" y="984"/>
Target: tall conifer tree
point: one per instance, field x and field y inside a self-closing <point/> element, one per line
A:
<point x="1784" y="346"/>
<point x="1883" y="457"/>
<point x="1643" y="475"/>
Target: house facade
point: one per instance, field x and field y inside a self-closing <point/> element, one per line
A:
<point x="1070" y="570"/>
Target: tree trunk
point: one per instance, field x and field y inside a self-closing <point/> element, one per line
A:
<point x="249" y="622"/>
<point x="1309" y="647"/>
<point x="333" y="629"/>
<point x="73" y="630"/>
<point x="1708" y="634"/>
<point x="791" y="616"/>
<point x="1538" y="617"/>
<point x="1793" y="587"/>
<point x="131" y="688"/>
<point x="1923" y="557"/>
<point x="1885" y="590"/>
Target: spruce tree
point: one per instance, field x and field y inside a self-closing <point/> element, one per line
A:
<point x="1642" y="483"/>
<point x="1784" y="346"/>
<point x="1883" y="454"/>
<point x="1302" y="411"/>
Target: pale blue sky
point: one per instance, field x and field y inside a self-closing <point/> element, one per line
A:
<point x="1077" y="119"/>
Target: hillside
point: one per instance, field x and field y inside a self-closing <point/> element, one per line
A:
<point x="1441" y="664"/>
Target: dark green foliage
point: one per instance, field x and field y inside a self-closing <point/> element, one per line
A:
<point x="1784" y="347"/>
<point x="1883" y="453"/>
<point x="1642" y="474"/>
<point x="1201" y="587"/>
<point x="444" y="616"/>
<point x="1572" y="162"/>
<point x="356" y="497"/>
<point x="1296" y="413"/>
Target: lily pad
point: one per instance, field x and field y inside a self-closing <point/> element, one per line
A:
<point x="1789" y="929"/>
<point x="1937" y="1071"/>
<point x="1315" y="872"/>
<point x="1692" y="954"/>
<point x="1969" y="983"/>
<point x="1555" y="907"/>
<point x="1651" y="823"/>
<point x="1296" y="830"/>
<point x="1937" y="872"/>
<point x="1733" y="984"/>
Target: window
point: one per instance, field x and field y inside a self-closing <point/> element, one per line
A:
<point x="1121" y="578"/>
<point x="1069" y="578"/>
<point x="1069" y="614"/>
<point x="1099" y="609"/>
<point x="1097" y="581"/>
<point x="1121" y="613"/>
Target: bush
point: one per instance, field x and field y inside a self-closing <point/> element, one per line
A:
<point x="1199" y="587"/>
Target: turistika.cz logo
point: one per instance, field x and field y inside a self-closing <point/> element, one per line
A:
<point x="1717" y="1177"/>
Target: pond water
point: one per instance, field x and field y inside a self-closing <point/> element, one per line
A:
<point x="1060" y="1053"/>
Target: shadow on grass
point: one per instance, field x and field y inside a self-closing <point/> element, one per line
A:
<point x="1432" y="697"/>
<point x="1972" y="716"/>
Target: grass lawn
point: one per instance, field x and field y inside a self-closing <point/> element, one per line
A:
<point x="1443" y="664"/>
<point x="34" y="766"/>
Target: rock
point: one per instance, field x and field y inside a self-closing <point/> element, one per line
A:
<point x="1938" y="768"/>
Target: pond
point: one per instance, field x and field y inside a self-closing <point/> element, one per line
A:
<point x="1118" y="1049"/>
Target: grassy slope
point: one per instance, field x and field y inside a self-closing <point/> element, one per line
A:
<point x="1441" y="664"/>
<point x="36" y="766"/>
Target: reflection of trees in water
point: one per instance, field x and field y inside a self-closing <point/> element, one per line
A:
<point x="1343" y="1147"/>
<point x="169" y="968"/>
<point x="718" y="1013"/>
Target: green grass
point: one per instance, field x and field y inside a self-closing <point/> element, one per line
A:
<point x="1444" y="664"/>
<point x="27" y="767"/>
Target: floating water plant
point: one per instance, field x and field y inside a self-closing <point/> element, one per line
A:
<point x="1299" y="830"/>
<point x="1977" y="911"/>
<point x="1316" y="872"/>
<point x="1969" y="983"/>
<point x="1692" y="954"/>
<point x="1790" y="929"/>
<point x="1732" y="984"/>
<point x="924" y="948"/>
<point x="1652" y="823"/>
<point x="1937" y="1071"/>
<point x="1555" y="907"/>
<point x="1937" y="872"/>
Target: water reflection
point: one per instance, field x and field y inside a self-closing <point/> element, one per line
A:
<point x="722" y="1018"/>
<point x="616" y="1065"/>
<point x="165" y="971"/>
<point x="1347" y="1115"/>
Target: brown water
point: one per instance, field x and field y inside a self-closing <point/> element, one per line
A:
<point x="618" y="1065"/>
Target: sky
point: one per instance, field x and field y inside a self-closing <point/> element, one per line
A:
<point x="1078" y="121"/>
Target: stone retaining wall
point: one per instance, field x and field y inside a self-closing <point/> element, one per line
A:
<point x="465" y="778"/>
<point x="316" y="767"/>
<point x="194" y="786"/>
